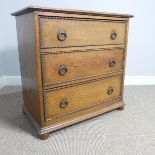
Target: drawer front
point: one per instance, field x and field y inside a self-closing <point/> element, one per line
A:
<point x="64" y="101"/>
<point x="55" y="32"/>
<point x="70" y="66"/>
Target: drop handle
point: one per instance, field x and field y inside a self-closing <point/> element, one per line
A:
<point x="61" y="35"/>
<point x="63" y="103"/>
<point x="112" y="62"/>
<point x="63" y="69"/>
<point x="110" y="90"/>
<point x="113" y="35"/>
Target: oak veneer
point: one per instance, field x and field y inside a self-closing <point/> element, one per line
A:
<point x="82" y="96"/>
<point x="72" y="65"/>
<point x="95" y="62"/>
<point x="79" y="32"/>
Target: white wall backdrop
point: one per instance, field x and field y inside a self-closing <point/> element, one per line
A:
<point x="141" y="47"/>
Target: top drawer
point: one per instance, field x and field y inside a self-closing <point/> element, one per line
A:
<point x="72" y="32"/>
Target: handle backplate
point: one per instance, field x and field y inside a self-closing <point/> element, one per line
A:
<point x="61" y="35"/>
<point x="63" y="69"/>
<point x="112" y="62"/>
<point x="63" y="103"/>
<point x="110" y="90"/>
<point x="113" y="35"/>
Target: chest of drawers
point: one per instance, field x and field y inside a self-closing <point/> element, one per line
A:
<point x="72" y="65"/>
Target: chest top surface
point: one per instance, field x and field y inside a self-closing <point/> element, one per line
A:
<point x="69" y="11"/>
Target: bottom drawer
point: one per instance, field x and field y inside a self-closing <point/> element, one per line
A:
<point x="70" y="99"/>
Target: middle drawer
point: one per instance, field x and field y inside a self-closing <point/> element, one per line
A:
<point x="75" y="65"/>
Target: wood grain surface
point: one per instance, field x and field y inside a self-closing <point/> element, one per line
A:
<point x="81" y="96"/>
<point x="28" y="65"/>
<point x="80" y="64"/>
<point x="79" y="33"/>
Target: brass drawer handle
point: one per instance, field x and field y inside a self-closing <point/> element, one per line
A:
<point x="61" y="35"/>
<point x="110" y="90"/>
<point x="62" y="69"/>
<point x="112" y="62"/>
<point x="113" y="35"/>
<point x="63" y="103"/>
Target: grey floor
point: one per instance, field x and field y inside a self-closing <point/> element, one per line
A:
<point x="128" y="132"/>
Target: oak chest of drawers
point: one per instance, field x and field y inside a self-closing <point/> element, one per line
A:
<point x="72" y="65"/>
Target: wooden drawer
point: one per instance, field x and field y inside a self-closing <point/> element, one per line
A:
<point x="64" y="32"/>
<point x="64" y="101"/>
<point x="77" y="65"/>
